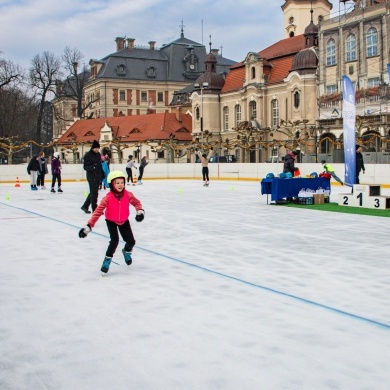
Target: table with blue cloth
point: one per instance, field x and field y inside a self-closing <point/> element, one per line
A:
<point x="289" y="188"/>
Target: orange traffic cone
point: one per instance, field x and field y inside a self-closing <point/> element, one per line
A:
<point x="135" y="180"/>
<point x="17" y="182"/>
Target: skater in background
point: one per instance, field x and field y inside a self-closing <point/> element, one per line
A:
<point x="204" y="159"/>
<point x="329" y="169"/>
<point x="116" y="207"/>
<point x="359" y="163"/>
<point x="130" y="165"/>
<point x="95" y="174"/>
<point x="106" y="170"/>
<point x="32" y="170"/>
<point x="56" y="172"/>
<point x="142" y="166"/>
<point x="42" y="171"/>
<point x="289" y="163"/>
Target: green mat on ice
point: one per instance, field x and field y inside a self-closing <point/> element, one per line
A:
<point x="334" y="207"/>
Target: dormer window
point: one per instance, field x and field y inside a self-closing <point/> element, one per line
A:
<point x="121" y="70"/>
<point x="151" y="72"/>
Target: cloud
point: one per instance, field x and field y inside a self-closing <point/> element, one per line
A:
<point x="33" y="26"/>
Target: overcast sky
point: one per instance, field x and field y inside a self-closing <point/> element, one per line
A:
<point x="29" y="27"/>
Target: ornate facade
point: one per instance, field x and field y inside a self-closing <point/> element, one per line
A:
<point x="356" y="44"/>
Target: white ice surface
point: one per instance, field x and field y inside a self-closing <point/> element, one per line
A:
<point x="225" y="292"/>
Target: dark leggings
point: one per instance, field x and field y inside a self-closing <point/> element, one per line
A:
<point x="41" y="179"/>
<point x="126" y="233"/>
<point x="56" y="176"/>
<point x="141" y="173"/>
<point x="205" y="173"/>
<point x="129" y="174"/>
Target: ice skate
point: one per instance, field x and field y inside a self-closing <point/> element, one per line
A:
<point x="106" y="264"/>
<point x="53" y="190"/>
<point x="59" y="189"/>
<point x="127" y="256"/>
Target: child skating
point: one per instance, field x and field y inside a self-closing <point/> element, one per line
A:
<point x="116" y="207"/>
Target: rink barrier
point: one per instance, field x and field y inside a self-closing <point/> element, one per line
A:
<point x="375" y="173"/>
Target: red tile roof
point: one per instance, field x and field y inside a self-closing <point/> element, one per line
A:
<point x="234" y="79"/>
<point x="278" y="57"/>
<point x="285" y="47"/>
<point x="132" y="128"/>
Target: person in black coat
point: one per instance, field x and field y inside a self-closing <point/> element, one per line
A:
<point x="289" y="163"/>
<point x="32" y="170"/>
<point x="95" y="174"/>
<point x="359" y="163"/>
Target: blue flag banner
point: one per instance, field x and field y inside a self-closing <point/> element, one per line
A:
<point x="349" y="118"/>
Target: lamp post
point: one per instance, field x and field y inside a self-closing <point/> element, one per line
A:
<point x="201" y="87"/>
<point x="138" y="146"/>
<point x="383" y="90"/>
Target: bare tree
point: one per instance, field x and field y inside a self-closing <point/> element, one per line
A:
<point x="45" y="70"/>
<point x="76" y="78"/>
<point x="10" y="74"/>
<point x="17" y="114"/>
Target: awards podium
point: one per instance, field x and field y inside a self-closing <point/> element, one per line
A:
<point x="366" y="196"/>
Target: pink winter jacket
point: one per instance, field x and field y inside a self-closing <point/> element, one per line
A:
<point x="117" y="210"/>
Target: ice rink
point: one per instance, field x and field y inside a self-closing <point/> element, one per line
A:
<point x="225" y="292"/>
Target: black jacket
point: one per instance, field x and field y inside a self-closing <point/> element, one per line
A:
<point x="359" y="162"/>
<point x="33" y="165"/>
<point x="289" y="164"/>
<point x="93" y="166"/>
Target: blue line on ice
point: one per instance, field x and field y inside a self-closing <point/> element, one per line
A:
<point x="304" y="300"/>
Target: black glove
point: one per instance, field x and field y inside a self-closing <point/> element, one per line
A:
<point x="140" y="215"/>
<point x="84" y="231"/>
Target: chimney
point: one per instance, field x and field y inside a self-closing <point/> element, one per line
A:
<point x="120" y="43"/>
<point x="130" y="43"/>
<point x="151" y="44"/>
<point x="178" y="114"/>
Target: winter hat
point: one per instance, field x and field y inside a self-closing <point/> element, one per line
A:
<point x="95" y="144"/>
<point x="56" y="155"/>
<point x="357" y="147"/>
<point x="323" y="161"/>
<point x="295" y="153"/>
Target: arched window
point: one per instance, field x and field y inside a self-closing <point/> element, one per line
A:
<point x="275" y="112"/>
<point x="326" y="143"/>
<point x="372" y="42"/>
<point x="237" y="112"/>
<point x="252" y="110"/>
<point x="253" y="72"/>
<point x="226" y="118"/>
<point x="331" y="52"/>
<point x="197" y="113"/>
<point x="297" y="99"/>
<point x="350" y="48"/>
